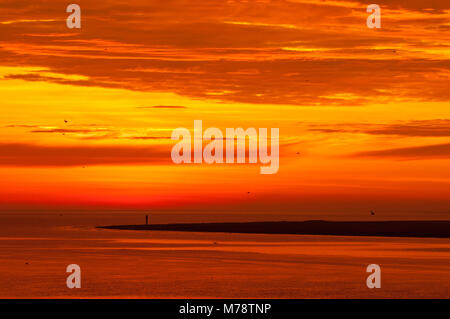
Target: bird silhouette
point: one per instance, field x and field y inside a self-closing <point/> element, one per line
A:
<point x="66" y="121"/>
<point x="372" y="213"/>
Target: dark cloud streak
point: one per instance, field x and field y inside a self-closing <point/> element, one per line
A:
<point x="31" y="155"/>
<point x="438" y="151"/>
<point x="419" y="128"/>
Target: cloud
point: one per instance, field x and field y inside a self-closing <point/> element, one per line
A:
<point x="162" y="107"/>
<point x="31" y="155"/>
<point x="20" y="125"/>
<point x="418" y="128"/>
<point x="438" y="151"/>
<point x="205" y="49"/>
<point x="89" y="132"/>
<point x="63" y="130"/>
<point x="431" y="6"/>
<point x="83" y="132"/>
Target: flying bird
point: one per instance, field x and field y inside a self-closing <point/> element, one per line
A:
<point x="372" y="213"/>
<point x="65" y="121"/>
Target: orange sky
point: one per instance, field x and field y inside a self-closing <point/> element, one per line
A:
<point x="367" y="110"/>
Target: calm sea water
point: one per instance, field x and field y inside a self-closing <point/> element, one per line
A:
<point x="36" y="247"/>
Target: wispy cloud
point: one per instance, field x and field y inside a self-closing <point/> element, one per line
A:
<point x="438" y="151"/>
<point x="418" y="128"/>
<point x="162" y="107"/>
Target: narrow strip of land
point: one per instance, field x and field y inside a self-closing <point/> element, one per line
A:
<point x="432" y="229"/>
